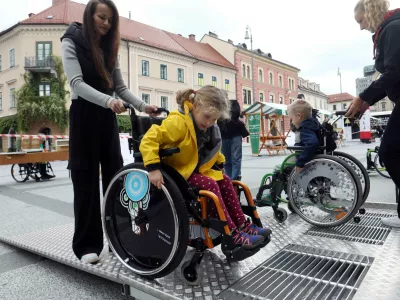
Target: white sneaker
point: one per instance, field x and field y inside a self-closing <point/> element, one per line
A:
<point x="90" y="258"/>
<point x="392" y="222"/>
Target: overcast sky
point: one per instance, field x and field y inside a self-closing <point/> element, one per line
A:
<point x="316" y="36"/>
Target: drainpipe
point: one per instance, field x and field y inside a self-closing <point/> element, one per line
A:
<point x="129" y="65"/>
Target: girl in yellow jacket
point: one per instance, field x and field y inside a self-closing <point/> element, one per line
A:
<point x="194" y="131"/>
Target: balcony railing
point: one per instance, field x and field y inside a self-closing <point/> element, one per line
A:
<point x="40" y="65"/>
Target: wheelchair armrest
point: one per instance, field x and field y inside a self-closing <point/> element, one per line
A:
<point x="301" y="148"/>
<point x="162" y="152"/>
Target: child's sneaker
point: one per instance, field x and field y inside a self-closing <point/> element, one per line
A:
<point x="252" y="229"/>
<point x="246" y="241"/>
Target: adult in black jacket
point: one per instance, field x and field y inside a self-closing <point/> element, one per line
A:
<point x="89" y="54"/>
<point x="232" y="132"/>
<point x="375" y="16"/>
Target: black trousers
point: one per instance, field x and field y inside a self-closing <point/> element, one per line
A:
<point x="390" y="148"/>
<point x="94" y="141"/>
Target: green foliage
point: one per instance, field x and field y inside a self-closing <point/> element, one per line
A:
<point x="124" y="124"/>
<point x="6" y="122"/>
<point x="32" y="107"/>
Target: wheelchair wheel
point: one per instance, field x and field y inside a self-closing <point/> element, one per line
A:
<point x="326" y="193"/>
<point x="280" y="215"/>
<point x="20" y="173"/>
<point x="360" y="170"/>
<point x="380" y="168"/>
<point x="147" y="228"/>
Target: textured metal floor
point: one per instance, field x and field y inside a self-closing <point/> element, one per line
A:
<point x="381" y="282"/>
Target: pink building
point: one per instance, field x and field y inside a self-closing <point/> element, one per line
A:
<point x="274" y="81"/>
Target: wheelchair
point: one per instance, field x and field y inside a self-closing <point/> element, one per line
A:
<point x="328" y="192"/>
<point x="149" y="230"/>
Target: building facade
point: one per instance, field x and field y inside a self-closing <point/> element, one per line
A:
<point x="313" y="95"/>
<point x="155" y="63"/>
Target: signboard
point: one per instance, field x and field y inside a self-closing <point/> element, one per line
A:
<point x="365" y="126"/>
<point x="254" y="121"/>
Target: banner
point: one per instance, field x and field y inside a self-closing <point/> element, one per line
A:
<point x="365" y="127"/>
<point x="254" y="121"/>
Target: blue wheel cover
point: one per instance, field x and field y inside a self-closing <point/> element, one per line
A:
<point x="136" y="185"/>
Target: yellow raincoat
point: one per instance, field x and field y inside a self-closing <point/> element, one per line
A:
<point x="177" y="130"/>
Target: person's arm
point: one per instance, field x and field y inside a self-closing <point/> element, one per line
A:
<point x="123" y="92"/>
<point x="310" y="141"/>
<point x="73" y="70"/>
<point x="170" y="132"/>
<point x="391" y="77"/>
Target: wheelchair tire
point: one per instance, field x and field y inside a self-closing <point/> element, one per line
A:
<point x="377" y="166"/>
<point x="280" y="214"/>
<point x="149" y="237"/>
<point x="360" y="171"/>
<point x="307" y="192"/>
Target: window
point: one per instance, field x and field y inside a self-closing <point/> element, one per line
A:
<point x="1" y="101"/>
<point x="146" y="69"/>
<point x="271" y="79"/>
<point x="243" y="71"/>
<point x="383" y="105"/>
<point x="280" y="81"/>
<point x="248" y="72"/>
<point x="246" y="96"/>
<point x="119" y="57"/>
<point x="227" y="87"/>
<point x="334" y="107"/>
<point x="164" y="102"/>
<point x="271" y="98"/>
<point x="146" y="98"/>
<point x="1" y="64"/>
<point x="200" y="79"/>
<point x="260" y="76"/>
<point x="280" y="100"/>
<point x="163" y="71"/>
<point x="291" y="101"/>
<point x="43" y="51"/>
<point x="44" y="89"/>
<point x="12" y="58"/>
<point x="261" y="97"/>
<point x="12" y="98"/>
<point x="214" y="81"/>
<point x="344" y="106"/>
<point x="291" y="84"/>
<point x="320" y="104"/>
<point x="181" y="75"/>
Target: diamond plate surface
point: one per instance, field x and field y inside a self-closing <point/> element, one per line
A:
<point x="382" y="282"/>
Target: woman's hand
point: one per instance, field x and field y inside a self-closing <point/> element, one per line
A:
<point x="355" y="107"/>
<point x="117" y="106"/>
<point x="156" y="178"/>
<point x="151" y="109"/>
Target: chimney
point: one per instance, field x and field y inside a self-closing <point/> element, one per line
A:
<point x="230" y="41"/>
<point x="31" y="15"/>
<point x="192" y="37"/>
<point x="129" y="15"/>
<point x="212" y="34"/>
<point x="54" y="2"/>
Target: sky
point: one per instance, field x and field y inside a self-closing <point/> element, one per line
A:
<point x="316" y="36"/>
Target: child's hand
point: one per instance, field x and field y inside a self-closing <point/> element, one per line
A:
<point x="298" y="169"/>
<point x="156" y="178"/>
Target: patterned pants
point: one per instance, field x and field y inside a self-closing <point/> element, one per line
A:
<point x="228" y="198"/>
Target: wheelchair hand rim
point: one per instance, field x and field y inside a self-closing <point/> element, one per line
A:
<point x="176" y="231"/>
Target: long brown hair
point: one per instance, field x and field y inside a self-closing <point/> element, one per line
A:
<point x="109" y="43"/>
<point x="209" y="97"/>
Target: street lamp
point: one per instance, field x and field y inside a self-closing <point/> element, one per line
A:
<point x="246" y="37"/>
<point x="341" y="95"/>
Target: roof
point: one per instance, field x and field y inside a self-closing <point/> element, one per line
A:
<point x="340" y="97"/>
<point x="66" y="12"/>
<point x="306" y="89"/>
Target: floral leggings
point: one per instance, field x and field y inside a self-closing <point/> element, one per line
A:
<point x="228" y="198"/>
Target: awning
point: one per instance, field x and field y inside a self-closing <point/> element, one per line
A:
<point x="267" y="109"/>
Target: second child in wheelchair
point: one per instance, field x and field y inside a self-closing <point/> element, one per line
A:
<point x="322" y="186"/>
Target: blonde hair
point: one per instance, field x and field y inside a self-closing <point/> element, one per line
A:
<point x="208" y="97"/>
<point x="301" y="106"/>
<point x="374" y="12"/>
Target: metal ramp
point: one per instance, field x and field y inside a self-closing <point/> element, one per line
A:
<point x="380" y="278"/>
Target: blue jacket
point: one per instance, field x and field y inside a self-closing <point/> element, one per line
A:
<point x="308" y="138"/>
